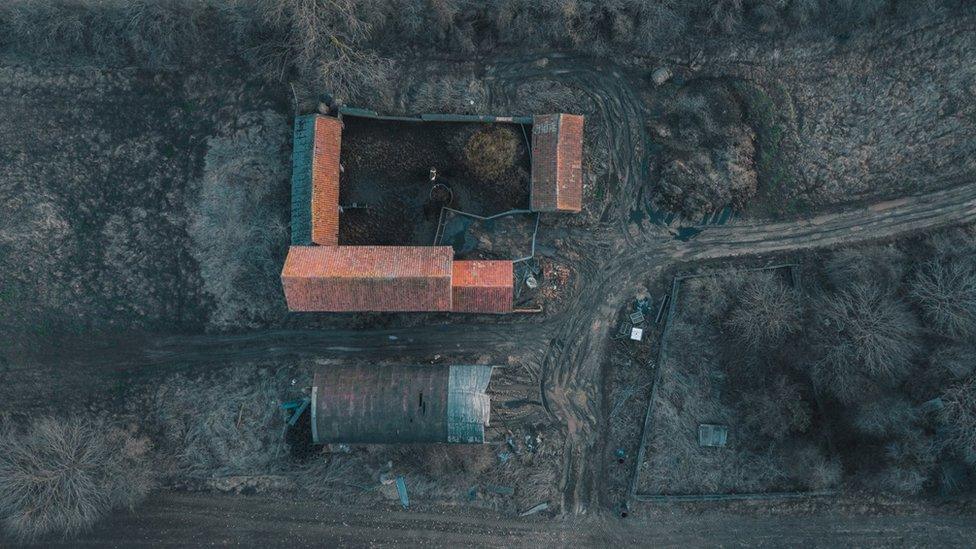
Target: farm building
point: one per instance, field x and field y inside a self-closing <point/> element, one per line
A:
<point x="557" y="165"/>
<point x="400" y="404"/>
<point x="320" y="275"/>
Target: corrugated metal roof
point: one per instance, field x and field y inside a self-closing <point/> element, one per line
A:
<point x="325" y="181"/>
<point x="557" y="163"/>
<point x="368" y="278"/>
<point x="468" y="406"/>
<point x="400" y="404"/>
<point x="482" y="286"/>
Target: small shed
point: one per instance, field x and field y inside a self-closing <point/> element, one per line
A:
<point x="557" y="163"/>
<point x="368" y="278"/>
<point x="400" y="404"/>
<point x="710" y="435"/>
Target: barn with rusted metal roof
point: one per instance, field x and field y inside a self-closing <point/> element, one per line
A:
<point x="400" y="404"/>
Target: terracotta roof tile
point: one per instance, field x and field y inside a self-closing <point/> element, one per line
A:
<point x="557" y="163"/>
<point x="368" y="278"/>
<point x="482" y="286"/>
<point x="325" y="181"/>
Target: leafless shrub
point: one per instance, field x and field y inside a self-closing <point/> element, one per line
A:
<point x="816" y="470"/>
<point x="326" y="41"/>
<point x="162" y="32"/>
<point x="945" y="289"/>
<point x="60" y="476"/>
<point x="710" y="163"/>
<point x="888" y="417"/>
<point x="881" y="265"/>
<point x="767" y="312"/>
<point x="450" y="94"/>
<point x="777" y="412"/>
<point x="862" y="332"/>
<point x="959" y="414"/>
<point x="237" y="233"/>
<point x="957" y="361"/>
<point x="911" y="461"/>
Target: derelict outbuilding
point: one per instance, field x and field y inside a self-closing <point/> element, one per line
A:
<point x="400" y="404"/>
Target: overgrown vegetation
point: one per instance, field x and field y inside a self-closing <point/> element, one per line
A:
<point x="873" y="352"/>
<point x="59" y="476"/>
<point x="236" y="228"/>
<point x="347" y="45"/>
<point x="709" y="153"/>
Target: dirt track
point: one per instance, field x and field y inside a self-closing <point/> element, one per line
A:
<point x="184" y="519"/>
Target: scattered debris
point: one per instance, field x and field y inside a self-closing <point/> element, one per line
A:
<point x="661" y="75"/>
<point x="535" y="509"/>
<point x="929" y="406"/>
<point x="402" y="492"/>
<point x="500" y="490"/>
<point x="298" y="406"/>
<point x="503" y="457"/>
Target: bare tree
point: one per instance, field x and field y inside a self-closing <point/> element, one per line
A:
<point x="882" y="265"/>
<point x="945" y="289"/>
<point x="862" y="333"/>
<point x="326" y="41"/>
<point x="767" y="312"/>
<point x="960" y="414"/>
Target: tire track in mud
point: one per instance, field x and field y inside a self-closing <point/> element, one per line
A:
<point x="570" y="382"/>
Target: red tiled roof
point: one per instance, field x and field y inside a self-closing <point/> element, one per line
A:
<point x="368" y="278"/>
<point x="325" y="181"/>
<point x="482" y="286"/>
<point x="557" y="163"/>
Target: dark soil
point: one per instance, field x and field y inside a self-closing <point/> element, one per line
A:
<point x="387" y="167"/>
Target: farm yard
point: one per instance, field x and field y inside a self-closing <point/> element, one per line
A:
<point x="144" y="221"/>
<point x="386" y="169"/>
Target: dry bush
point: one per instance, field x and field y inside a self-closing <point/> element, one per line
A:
<point x="222" y="426"/>
<point x="449" y="94"/>
<point x="491" y="151"/>
<point x="882" y="265"/>
<point x="326" y="42"/>
<point x="60" y="476"/>
<point x="862" y="332"/>
<point x="910" y="462"/>
<point x="945" y="289"/>
<point x="237" y="230"/>
<point x="438" y="460"/>
<point x="958" y="362"/>
<point x="710" y="162"/>
<point x="776" y="412"/>
<point x="814" y="469"/>
<point x="891" y="416"/>
<point x="768" y="311"/>
<point x="959" y="414"/>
